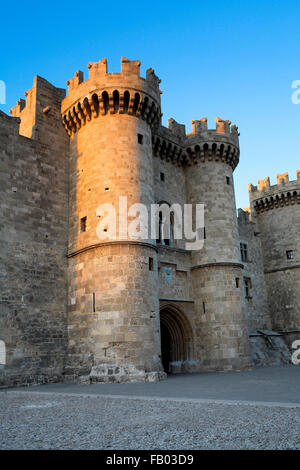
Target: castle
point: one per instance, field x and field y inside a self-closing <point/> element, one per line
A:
<point x="77" y="308"/>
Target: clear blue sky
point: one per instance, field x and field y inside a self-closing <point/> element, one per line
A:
<point x="232" y="59"/>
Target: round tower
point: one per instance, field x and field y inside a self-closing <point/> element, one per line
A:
<point x="113" y="299"/>
<point x="217" y="271"/>
<point x="276" y="210"/>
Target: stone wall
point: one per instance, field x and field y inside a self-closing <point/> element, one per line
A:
<point x="113" y="319"/>
<point x="34" y="208"/>
<point x="174" y="273"/>
<point x="256" y="305"/>
<point x="169" y="186"/>
<point x="276" y="210"/>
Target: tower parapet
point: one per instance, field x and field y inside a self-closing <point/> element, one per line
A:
<point x="267" y="196"/>
<point x="111" y="93"/>
<point x="221" y="143"/>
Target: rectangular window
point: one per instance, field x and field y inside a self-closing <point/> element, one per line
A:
<point x="162" y="177"/>
<point x="203" y="306"/>
<point x="237" y="282"/>
<point x="140" y="138"/>
<point x="244" y="251"/>
<point x="290" y="254"/>
<point x="150" y="264"/>
<point x="247" y="288"/>
<point x="227" y="180"/>
<point x="83" y="224"/>
<point x="94" y="302"/>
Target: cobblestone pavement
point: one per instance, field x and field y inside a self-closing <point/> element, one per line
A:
<point x="68" y="421"/>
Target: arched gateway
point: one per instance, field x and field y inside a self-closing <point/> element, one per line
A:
<point x="176" y="340"/>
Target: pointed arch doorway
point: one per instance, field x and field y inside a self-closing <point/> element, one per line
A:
<point x="176" y="340"/>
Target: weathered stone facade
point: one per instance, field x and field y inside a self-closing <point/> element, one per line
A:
<point x="34" y="233"/>
<point x="81" y="305"/>
<point x="276" y="215"/>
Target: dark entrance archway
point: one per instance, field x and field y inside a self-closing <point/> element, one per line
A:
<point x="176" y="339"/>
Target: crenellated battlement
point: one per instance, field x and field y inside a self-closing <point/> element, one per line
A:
<point x="41" y="109"/>
<point x="98" y="73"/>
<point x="16" y="110"/>
<point x="220" y="144"/>
<point x="266" y="196"/>
<point x="75" y="81"/>
<point x="111" y="93"/>
<point x="222" y="127"/>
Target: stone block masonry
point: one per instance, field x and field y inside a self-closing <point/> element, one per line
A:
<point x="33" y="228"/>
<point x="276" y="211"/>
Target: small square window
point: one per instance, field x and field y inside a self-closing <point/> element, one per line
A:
<point x="83" y="224"/>
<point x="150" y="264"/>
<point x="162" y="177"/>
<point x="290" y="254"/>
<point x="140" y="138"/>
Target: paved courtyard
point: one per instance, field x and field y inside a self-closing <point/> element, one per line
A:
<point x="258" y="409"/>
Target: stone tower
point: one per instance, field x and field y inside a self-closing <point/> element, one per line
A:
<point x="216" y="269"/>
<point x="113" y="320"/>
<point x="275" y="208"/>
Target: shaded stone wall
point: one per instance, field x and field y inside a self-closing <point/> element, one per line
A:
<point x="277" y="212"/>
<point x="172" y="190"/>
<point x="33" y="231"/>
<point x="256" y="306"/>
